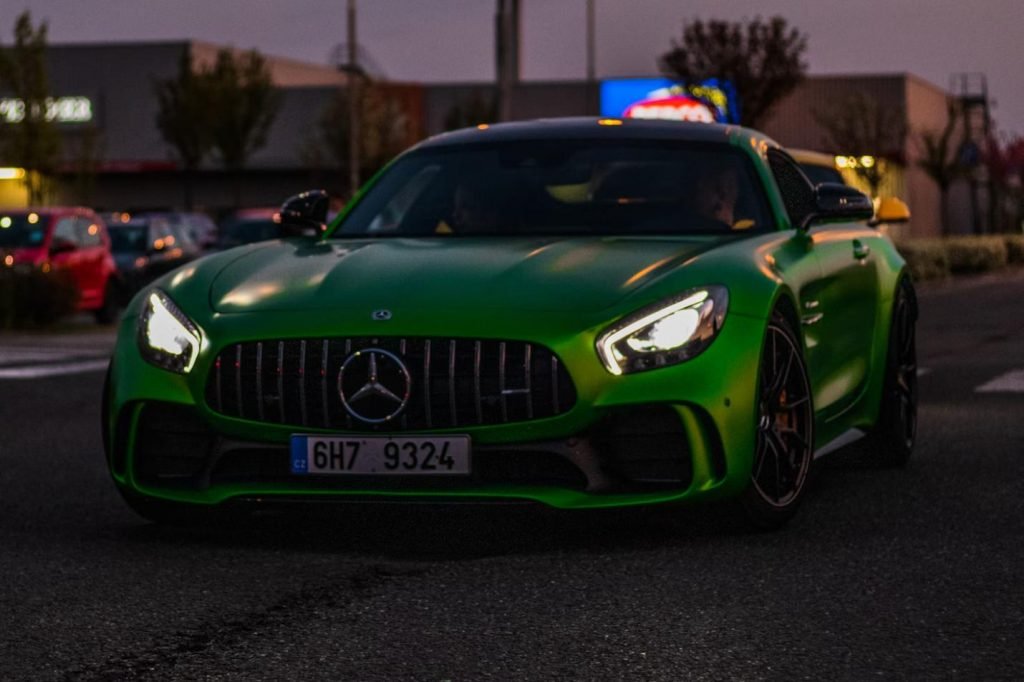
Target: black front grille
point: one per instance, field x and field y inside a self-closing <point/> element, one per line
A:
<point x="454" y="382"/>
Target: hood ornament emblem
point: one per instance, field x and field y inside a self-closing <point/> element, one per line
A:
<point x="381" y="315"/>
<point x="376" y="380"/>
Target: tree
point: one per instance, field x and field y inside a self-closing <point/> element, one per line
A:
<point x="1004" y="161"/>
<point x="762" y="59"/>
<point x="860" y="126"/>
<point x="383" y="128"/>
<point x="184" y="118"/>
<point x="33" y="142"/>
<point x="939" y="158"/>
<point x="243" y="105"/>
<point x="84" y="152"/>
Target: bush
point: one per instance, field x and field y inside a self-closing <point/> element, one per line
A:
<point x="34" y="298"/>
<point x="976" y="254"/>
<point x="1014" y="249"/>
<point x="926" y="258"/>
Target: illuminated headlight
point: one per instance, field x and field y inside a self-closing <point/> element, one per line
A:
<point x="166" y="337"/>
<point x="666" y="333"/>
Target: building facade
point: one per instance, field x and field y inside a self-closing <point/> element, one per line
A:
<point x="114" y="157"/>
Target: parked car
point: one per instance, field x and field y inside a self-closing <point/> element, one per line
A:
<point x="249" y="225"/>
<point x="819" y="167"/>
<point x="580" y="313"/>
<point x="198" y="228"/>
<point x="148" y="246"/>
<point x="65" y="238"/>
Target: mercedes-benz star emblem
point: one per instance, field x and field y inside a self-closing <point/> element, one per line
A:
<point x="382" y="315"/>
<point x="374" y="385"/>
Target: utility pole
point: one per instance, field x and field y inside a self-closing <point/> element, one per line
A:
<point x="506" y="43"/>
<point x="977" y="125"/>
<point x="591" y="67"/>
<point x="354" y="77"/>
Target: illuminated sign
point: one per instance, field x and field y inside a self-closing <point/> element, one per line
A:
<point x="710" y="100"/>
<point x="673" y="108"/>
<point x="58" y="109"/>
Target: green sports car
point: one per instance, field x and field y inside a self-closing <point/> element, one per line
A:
<point x="577" y="312"/>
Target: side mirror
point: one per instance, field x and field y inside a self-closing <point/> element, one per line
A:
<point x="891" y="210"/>
<point x="305" y="214"/>
<point x="61" y="245"/>
<point x="834" y="202"/>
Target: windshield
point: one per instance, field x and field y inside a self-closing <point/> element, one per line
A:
<point x="22" y="230"/>
<point x="131" y="237"/>
<point x="572" y="187"/>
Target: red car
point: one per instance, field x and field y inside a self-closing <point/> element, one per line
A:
<point x="74" y="239"/>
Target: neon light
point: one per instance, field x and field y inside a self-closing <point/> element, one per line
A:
<point x="675" y="108"/>
<point x="58" y="109"/>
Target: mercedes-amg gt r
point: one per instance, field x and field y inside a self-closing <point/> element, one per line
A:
<point x="577" y="312"/>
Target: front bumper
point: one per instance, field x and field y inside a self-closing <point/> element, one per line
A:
<point x="680" y="433"/>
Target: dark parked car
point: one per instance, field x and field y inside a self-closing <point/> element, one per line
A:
<point x="73" y="239"/>
<point x="248" y="226"/>
<point x="198" y="228"/>
<point x="147" y="247"/>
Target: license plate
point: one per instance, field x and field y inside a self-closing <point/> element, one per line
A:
<point x="380" y="455"/>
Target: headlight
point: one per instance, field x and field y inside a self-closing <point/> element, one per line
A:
<point x="166" y="337"/>
<point x="666" y="333"/>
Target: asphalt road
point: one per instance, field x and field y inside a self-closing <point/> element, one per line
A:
<point x="913" y="573"/>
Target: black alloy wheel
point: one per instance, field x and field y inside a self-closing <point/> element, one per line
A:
<point x="892" y="440"/>
<point x="785" y="430"/>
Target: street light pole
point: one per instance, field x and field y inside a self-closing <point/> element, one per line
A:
<point x="507" y="37"/>
<point x="591" y="71"/>
<point x="354" y="75"/>
<point x="591" y="68"/>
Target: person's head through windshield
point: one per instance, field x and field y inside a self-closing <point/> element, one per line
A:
<point x="716" y="190"/>
<point x="474" y="209"/>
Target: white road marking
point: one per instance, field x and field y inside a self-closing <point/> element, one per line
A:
<point x="1011" y="382"/>
<point x="10" y="356"/>
<point x="37" y="371"/>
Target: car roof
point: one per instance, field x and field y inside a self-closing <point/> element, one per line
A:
<point x="138" y="221"/>
<point x="50" y="210"/>
<point x="812" y="157"/>
<point x="590" y="127"/>
<point x="265" y="213"/>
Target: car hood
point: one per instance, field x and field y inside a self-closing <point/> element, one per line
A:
<point x="542" y="274"/>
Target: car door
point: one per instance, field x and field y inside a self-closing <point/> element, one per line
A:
<point x="166" y="254"/>
<point x="848" y="303"/>
<point x="837" y="307"/>
<point x="66" y="252"/>
<point x="92" y="260"/>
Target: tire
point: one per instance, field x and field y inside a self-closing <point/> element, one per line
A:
<point x="784" y="451"/>
<point x="891" y="441"/>
<point x="110" y="309"/>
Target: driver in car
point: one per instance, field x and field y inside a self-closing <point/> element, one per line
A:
<point x="473" y="210"/>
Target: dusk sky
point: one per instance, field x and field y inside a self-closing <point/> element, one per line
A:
<point x="452" y="40"/>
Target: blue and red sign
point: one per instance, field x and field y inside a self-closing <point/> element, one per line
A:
<point x="709" y="101"/>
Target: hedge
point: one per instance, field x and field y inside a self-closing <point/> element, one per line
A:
<point x="938" y="258"/>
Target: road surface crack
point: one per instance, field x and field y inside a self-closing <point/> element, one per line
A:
<point x="231" y="632"/>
